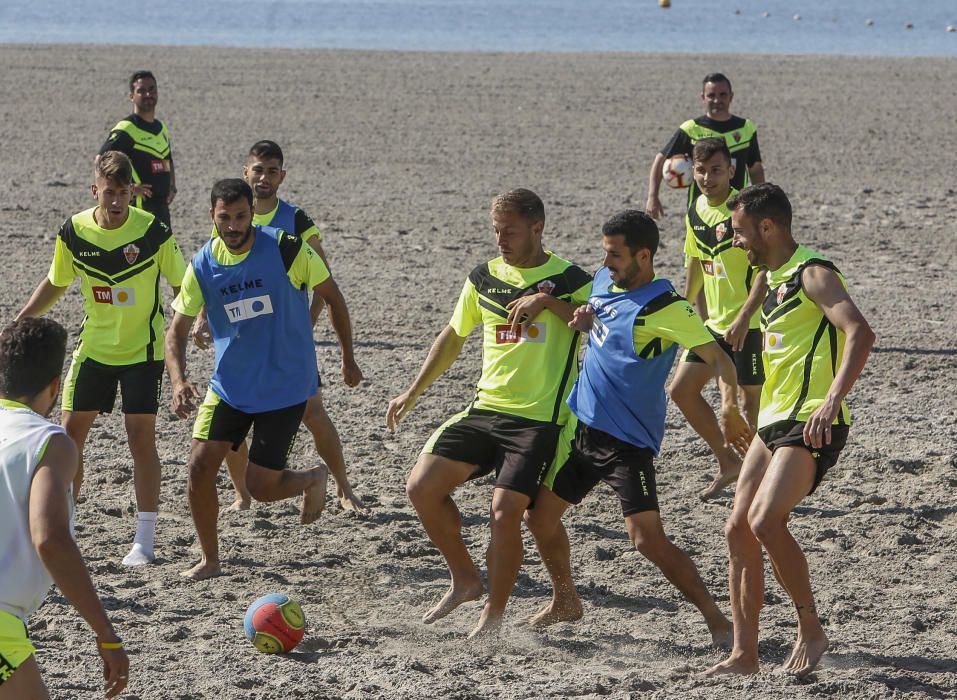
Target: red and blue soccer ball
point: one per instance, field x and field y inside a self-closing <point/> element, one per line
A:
<point x="275" y="624"/>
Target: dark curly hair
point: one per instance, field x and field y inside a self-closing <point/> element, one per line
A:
<point x="32" y="351"/>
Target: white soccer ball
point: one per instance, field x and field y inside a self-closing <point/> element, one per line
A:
<point x="677" y="171"/>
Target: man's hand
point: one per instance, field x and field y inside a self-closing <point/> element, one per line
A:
<point x="399" y="408"/>
<point x="737" y="432"/>
<point x="817" y="430"/>
<point x="522" y="311"/>
<point x="582" y="319"/>
<point x="140" y="189"/>
<point x="653" y="207"/>
<point x="200" y="331"/>
<point x="351" y="374"/>
<point x="116" y="670"/>
<point x="737" y="333"/>
<point x="184" y="395"/>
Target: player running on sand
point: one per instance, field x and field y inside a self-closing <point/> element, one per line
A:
<point x="524" y="300"/>
<point x="733" y="292"/>
<point x="119" y="253"/>
<point x="38" y="462"/>
<point x="253" y="281"/>
<point x="636" y="321"/>
<point x="264" y="172"/>
<point x="816" y="343"/>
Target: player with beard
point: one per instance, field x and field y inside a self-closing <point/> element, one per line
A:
<point x="264" y="171"/>
<point x="254" y="282"/>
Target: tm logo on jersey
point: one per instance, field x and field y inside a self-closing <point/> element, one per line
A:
<point x="245" y="309"/>
<point x="533" y="333"/>
<point x="117" y="296"/>
<point x="714" y="268"/>
<point x="773" y="342"/>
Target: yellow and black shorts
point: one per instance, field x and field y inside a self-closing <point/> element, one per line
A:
<point x="517" y="449"/>
<point x="15" y="646"/>
<point x="91" y="386"/>
<point x="586" y="455"/>
<point x="747" y="361"/>
<point x="274" y="432"/>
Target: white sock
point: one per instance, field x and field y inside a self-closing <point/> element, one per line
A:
<point x="142" y="551"/>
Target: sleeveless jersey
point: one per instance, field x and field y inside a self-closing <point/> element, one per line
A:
<point x="262" y="331"/>
<point x="802" y="349"/>
<point x="24" y="580"/>
<point x="618" y="391"/>
<point x="727" y="273"/>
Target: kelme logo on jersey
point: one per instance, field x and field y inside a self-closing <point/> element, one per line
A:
<point x="533" y="333"/>
<point x="546" y="287"/>
<point x="245" y="309"/>
<point x="131" y="253"/>
<point x="713" y="268"/>
<point x="117" y="296"/>
<point x="773" y="342"/>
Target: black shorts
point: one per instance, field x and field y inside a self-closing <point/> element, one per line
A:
<point x="747" y="361"/>
<point x="587" y="455"/>
<point x="790" y="433"/>
<point x="274" y="432"/>
<point x="91" y="386"/>
<point x="517" y="449"/>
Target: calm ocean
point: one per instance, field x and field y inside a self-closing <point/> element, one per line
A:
<point x="871" y="27"/>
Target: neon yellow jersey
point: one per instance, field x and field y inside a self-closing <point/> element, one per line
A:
<point x="119" y="271"/>
<point x="529" y="374"/>
<point x="727" y="274"/>
<point x="303" y="226"/>
<point x="802" y="349"/>
<point x="305" y="269"/>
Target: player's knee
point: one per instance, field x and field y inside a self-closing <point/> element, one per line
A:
<point x="507" y="514"/>
<point x="764" y="526"/>
<point x="540" y="527"/>
<point x="418" y="489"/>
<point x="737" y="529"/>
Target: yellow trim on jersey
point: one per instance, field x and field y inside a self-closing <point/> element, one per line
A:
<point x="307" y="270"/>
<point x="15" y="645"/>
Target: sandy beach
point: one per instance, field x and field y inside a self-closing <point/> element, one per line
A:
<point x="397" y="156"/>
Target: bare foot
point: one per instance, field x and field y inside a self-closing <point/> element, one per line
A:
<point x="567" y="610"/>
<point x="806" y="656"/>
<point x="241" y="503"/>
<point x="453" y="598"/>
<point x="202" y="571"/>
<point x="722" y="636"/>
<point x="348" y="500"/>
<point x="487" y="624"/>
<point x="314" y="498"/>
<point x="729" y="466"/>
<point x="732" y="665"/>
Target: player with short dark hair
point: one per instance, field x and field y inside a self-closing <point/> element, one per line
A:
<point x="635" y="321"/>
<point x="816" y="343"/>
<point x="119" y="253"/>
<point x="37" y="465"/>
<point x="523" y="300"/>
<point x="254" y="282"/>
<point x="264" y="171"/>
<point x="145" y="140"/>
<point x="733" y="292"/>
<point x="739" y="133"/>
